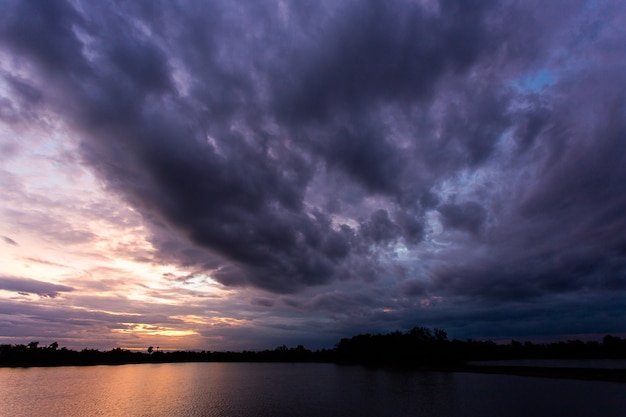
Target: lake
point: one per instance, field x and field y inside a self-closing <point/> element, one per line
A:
<point x="557" y="363"/>
<point x="294" y="389"/>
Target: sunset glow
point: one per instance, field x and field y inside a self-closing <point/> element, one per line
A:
<point x="219" y="175"/>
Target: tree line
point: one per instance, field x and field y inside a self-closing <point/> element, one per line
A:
<point x="418" y="347"/>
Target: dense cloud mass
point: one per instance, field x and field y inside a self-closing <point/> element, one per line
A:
<point x="468" y="154"/>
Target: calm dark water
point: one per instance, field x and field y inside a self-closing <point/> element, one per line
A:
<point x="263" y="389"/>
<point x="559" y="363"/>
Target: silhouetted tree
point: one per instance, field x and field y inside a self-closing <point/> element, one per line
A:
<point x="422" y="334"/>
<point x="441" y="335"/>
<point x="419" y="347"/>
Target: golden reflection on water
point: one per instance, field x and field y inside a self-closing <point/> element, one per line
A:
<point x="276" y="390"/>
<point x="126" y="390"/>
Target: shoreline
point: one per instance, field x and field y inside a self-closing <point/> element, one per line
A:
<point x="583" y="374"/>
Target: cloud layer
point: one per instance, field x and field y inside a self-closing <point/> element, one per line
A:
<point x="436" y="159"/>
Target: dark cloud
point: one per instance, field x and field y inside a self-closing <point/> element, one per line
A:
<point x="293" y="146"/>
<point x="379" y="228"/>
<point x="415" y="287"/>
<point x="44" y="32"/>
<point x="206" y="157"/>
<point x="469" y="216"/>
<point x="23" y="90"/>
<point x="32" y="286"/>
<point x="262" y="302"/>
<point x="402" y="55"/>
<point x="9" y="241"/>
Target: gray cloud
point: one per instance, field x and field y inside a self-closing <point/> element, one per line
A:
<point x="32" y="286"/>
<point x="9" y="241"/>
<point x="309" y="145"/>
<point x="469" y="216"/>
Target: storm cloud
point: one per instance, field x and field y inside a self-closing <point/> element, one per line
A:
<point x="445" y="150"/>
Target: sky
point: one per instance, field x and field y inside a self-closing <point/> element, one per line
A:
<point x="229" y="175"/>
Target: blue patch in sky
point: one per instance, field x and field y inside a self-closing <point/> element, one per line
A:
<point x="535" y="81"/>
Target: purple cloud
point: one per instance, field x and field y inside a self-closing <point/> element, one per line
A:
<point x="9" y="241"/>
<point x="299" y="150"/>
<point x="32" y="286"/>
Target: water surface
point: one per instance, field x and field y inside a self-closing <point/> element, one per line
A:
<point x="558" y="363"/>
<point x="265" y="389"/>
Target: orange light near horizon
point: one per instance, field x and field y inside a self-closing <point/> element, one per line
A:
<point x="152" y="330"/>
<point x="430" y="301"/>
<point x="211" y="321"/>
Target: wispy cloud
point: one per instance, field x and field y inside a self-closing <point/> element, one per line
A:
<point x="32" y="286"/>
<point x="9" y="241"/>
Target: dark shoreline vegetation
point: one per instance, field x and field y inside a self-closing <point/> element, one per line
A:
<point x="419" y="348"/>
